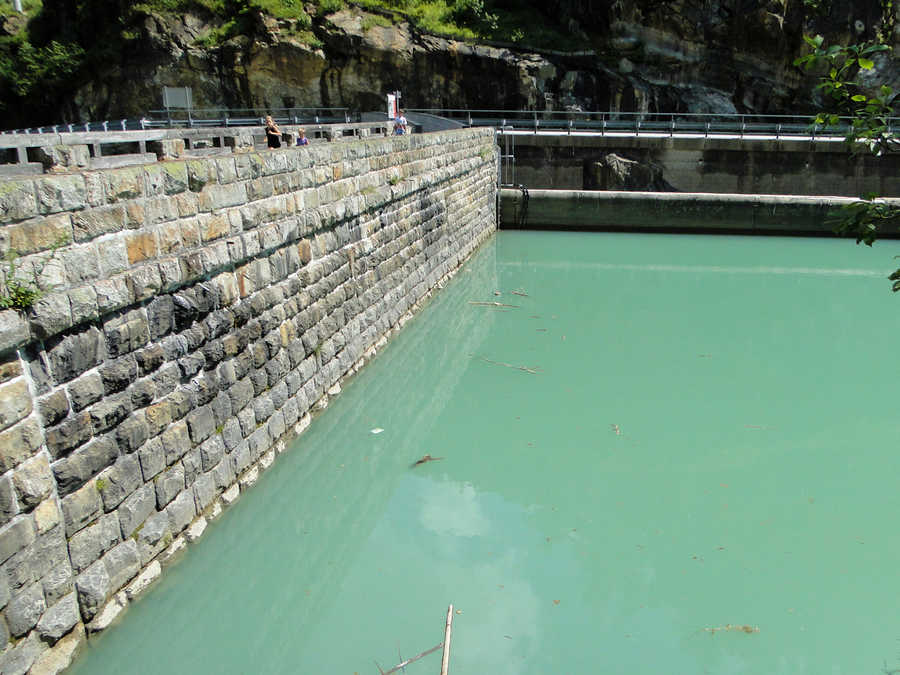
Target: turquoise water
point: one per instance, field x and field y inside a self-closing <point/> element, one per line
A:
<point x="708" y="439"/>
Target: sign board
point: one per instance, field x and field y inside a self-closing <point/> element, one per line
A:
<point x="177" y="97"/>
<point x="393" y="105"/>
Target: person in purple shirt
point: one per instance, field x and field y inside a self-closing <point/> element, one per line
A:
<point x="301" y="137"/>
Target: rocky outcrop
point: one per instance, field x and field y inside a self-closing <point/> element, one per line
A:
<point x="685" y="56"/>
<point x="614" y="172"/>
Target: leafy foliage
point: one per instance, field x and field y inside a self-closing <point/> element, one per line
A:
<point x="868" y="129"/>
<point x="16" y="293"/>
<point x="868" y="124"/>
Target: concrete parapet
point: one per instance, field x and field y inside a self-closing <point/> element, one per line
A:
<point x="669" y="211"/>
<point x="191" y="314"/>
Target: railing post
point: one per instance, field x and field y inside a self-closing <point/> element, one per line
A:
<point x="105" y="125"/>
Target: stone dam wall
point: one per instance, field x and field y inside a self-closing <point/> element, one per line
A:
<point x="193" y="313"/>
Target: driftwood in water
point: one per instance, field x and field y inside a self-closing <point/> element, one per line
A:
<point x="424" y="458"/>
<point x="401" y="666"/>
<point x="524" y="369"/>
<point x="492" y="304"/>
<point x="445" y="659"/>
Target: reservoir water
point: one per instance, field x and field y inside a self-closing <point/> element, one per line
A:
<point x="674" y="454"/>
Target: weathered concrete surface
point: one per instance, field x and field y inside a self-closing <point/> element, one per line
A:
<point x="668" y="211"/>
<point x="193" y="313"/>
<point x="738" y="166"/>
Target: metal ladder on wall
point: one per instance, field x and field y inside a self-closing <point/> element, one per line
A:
<point x="506" y="171"/>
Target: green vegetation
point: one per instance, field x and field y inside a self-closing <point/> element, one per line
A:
<point x="867" y="110"/>
<point x="52" y="49"/>
<point x="101" y="485"/>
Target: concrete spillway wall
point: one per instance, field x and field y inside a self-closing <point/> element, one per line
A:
<point x="193" y="314"/>
<point x="718" y="165"/>
<point x="671" y="211"/>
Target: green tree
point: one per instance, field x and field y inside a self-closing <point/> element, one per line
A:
<point x="866" y="114"/>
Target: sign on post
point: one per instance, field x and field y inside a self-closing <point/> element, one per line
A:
<point x="177" y="97"/>
<point x="393" y="105"/>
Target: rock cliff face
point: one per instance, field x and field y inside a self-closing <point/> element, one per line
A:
<point x="692" y="55"/>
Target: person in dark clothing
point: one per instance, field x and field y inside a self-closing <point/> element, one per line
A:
<point x="273" y="133"/>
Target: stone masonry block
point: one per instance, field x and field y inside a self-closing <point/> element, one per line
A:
<point x="25" y="608"/>
<point x="93" y="541"/>
<point x="110" y="411"/>
<point x="152" y="456"/>
<point x="16" y="536"/>
<point x="122" y="563"/>
<point x="73" y="432"/>
<point x="176" y="441"/>
<point x="85" y="390"/>
<point x="92" y="223"/>
<point x="112" y="294"/>
<point x="154" y="536"/>
<point x="181" y="511"/>
<point x="119" y="481"/>
<point x="14" y="330"/>
<point x="74" y="471"/>
<point x="81" y="507"/>
<point x="50" y="314"/>
<point x="117" y="375"/>
<point x="9" y="507"/>
<point x="59" y="619"/>
<point x="211" y="452"/>
<point x="201" y="423"/>
<point x="132" y="432"/>
<point x="61" y="193"/>
<point x="136" y="509"/>
<point x="168" y="485"/>
<point x="83" y="302"/>
<point x="75" y="354"/>
<point x="58" y="582"/>
<point x="34" y="481"/>
<point x="15" y="403"/>
<point x="17" y="200"/>
<point x="18" y="443"/>
<point x="93" y="586"/>
<point x="205" y="491"/>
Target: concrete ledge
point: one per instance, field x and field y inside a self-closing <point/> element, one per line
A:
<point x="668" y="211"/>
<point x="26" y="168"/>
<point x="115" y="161"/>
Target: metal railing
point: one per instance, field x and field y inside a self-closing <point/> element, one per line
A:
<point x="200" y="118"/>
<point x="533" y="120"/>
<point x="649" y="123"/>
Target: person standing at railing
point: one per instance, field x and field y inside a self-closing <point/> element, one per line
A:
<point x="400" y="124"/>
<point x="301" y="137"/>
<point x="273" y="133"/>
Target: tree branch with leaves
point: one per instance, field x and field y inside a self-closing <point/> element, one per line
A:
<point x="866" y="116"/>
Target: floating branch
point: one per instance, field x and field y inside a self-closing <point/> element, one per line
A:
<point x="493" y="304"/>
<point x="445" y="659"/>
<point x="525" y="369"/>
<point x="520" y="292"/>
<point x="401" y="666"/>
<point x="424" y="458"/>
<point x="734" y="628"/>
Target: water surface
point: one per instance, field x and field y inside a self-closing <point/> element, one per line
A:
<point x="667" y="436"/>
